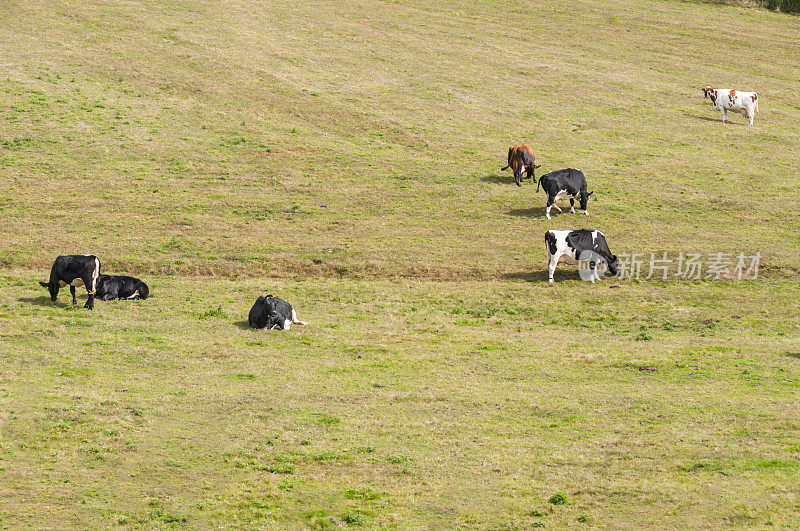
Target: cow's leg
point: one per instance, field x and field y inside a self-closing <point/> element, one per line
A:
<point x="557" y="207"/>
<point x="549" y="206"/>
<point x="724" y="115"/>
<point x="72" y="292"/>
<point x="90" y="283"/>
<point x="551" y="264"/>
<point x="572" y="205"/>
<point x="518" y="177"/>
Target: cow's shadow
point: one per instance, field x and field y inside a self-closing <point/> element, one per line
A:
<point x="498" y="179"/>
<point x="718" y="119"/>
<point x="534" y="212"/>
<point x="244" y="325"/>
<point x="506" y="179"/>
<point x="44" y="300"/>
<point x="528" y="276"/>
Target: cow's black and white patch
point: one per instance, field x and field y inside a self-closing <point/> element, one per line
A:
<point x="561" y="184"/>
<point x="74" y="270"/>
<point x="574" y="245"/>
<point x="272" y="312"/>
<point x="111" y="287"/>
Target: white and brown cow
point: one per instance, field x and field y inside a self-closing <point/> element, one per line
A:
<point x="725" y="100"/>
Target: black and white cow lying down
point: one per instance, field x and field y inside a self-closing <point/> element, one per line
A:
<point x="110" y="287"/>
<point x="561" y="184"/>
<point x="74" y="270"/>
<point x="272" y="312"/>
<point x="583" y="244"/>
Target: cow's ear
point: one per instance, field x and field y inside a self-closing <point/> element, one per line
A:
<point x="613" y="258"/>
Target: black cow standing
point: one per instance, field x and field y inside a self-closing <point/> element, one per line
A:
<point x="74" y="270"/>
<point x="271" y="312"/>
<point x="561" y="184"/>
<point x="111" y="287"/>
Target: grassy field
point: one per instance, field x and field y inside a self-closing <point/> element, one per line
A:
<point x="345" y="156"/>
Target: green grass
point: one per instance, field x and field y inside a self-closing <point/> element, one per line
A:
<point x="346" y="157"/>
<point x="145" y="410"/>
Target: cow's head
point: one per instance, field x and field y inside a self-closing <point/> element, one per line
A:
<point x="585" y="199"/>
<point x="707" y="92"/>
<point x="270" y="311"/>
<point x="52" y="287"/>
<point x="613" y="265"/>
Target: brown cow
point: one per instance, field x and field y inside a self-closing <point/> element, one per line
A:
<point x="522" y="160"/>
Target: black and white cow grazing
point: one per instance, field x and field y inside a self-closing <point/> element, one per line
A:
<point x="561" y="184"/>
<point x="74" y="270"/>
<point x="111" y="287"/>
<point x="272" y="312"/>
<point x="583" y="244"/>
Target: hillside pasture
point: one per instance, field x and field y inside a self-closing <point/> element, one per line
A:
<point x="346" y="157"/>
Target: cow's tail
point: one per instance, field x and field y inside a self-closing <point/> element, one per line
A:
<point x="295" y="320"/>
<point x="537" y="185"/>
<point x="504" y="169"/>
<point x="549" y="242"/>
<point x="590" y="193"/>
<point x="756" y="102"/>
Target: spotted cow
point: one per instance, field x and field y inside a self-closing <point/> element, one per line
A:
<point x="271" y="312"/>
<point x="562" y="184"/>
<point x="725" y="100"/>
<point x="574" y="245"/>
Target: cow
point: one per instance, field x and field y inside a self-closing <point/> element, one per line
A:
<point x="561" y="184"/>
<point x="271" y="312"/>
<point x="110" y="287"/>
<point x="725" y="100"/>
<point x="521" y="160"/>
<point x="583" y="244"/>
<point x="74" y="270"/>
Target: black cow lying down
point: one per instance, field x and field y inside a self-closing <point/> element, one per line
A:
<point x="110" y="287"/>
<point x="74" y="270"/>
<point x="272" y="312"/>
